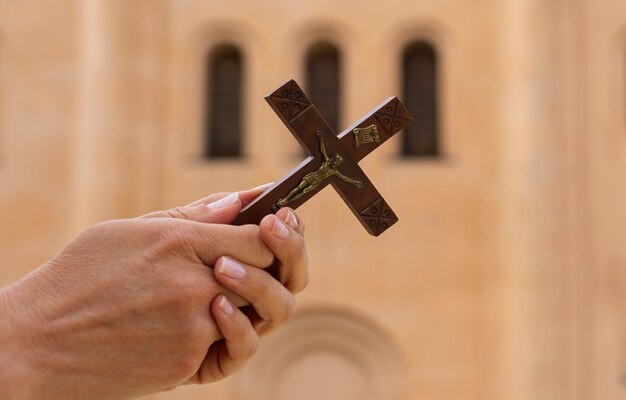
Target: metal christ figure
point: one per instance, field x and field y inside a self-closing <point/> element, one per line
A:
<point x="346" y="149"/>
<point x="310" y="181"/>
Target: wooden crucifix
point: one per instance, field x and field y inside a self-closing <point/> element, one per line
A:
<point x="334" y="159"/>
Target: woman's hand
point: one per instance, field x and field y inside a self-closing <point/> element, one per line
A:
<point x="137" y="306"/>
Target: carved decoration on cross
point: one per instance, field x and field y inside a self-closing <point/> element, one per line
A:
<point x="333" y="160"/>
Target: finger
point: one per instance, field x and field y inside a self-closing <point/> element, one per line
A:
<point x="261" y="326"/>
<point x="240" y="342"/>
<point x="288" y="246"/>
<point x="270" y="299"/>
<point x="218" y="208"/>
<point x="246" y="196"/>
<point x="221" y="211"/>
<point x="290" y="217"/>
<point x="210" y="241"/>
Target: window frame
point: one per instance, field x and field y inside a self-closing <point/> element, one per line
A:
<point x="209" y="110"/>
<point x="437" y="152"/>
<point x="320" y="47"/>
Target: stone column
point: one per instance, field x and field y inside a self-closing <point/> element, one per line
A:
<point x="119" y="123"/>
<point x="537" y="201"/>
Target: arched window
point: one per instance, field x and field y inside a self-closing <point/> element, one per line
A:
<point x="224" y="100"/>
<point x="323" y="80"/>
<point x="420" y="87"/>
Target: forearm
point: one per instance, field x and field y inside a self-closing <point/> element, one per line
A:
<point x="16" y="376"/>
<point x="323" y="148"/>
<point x="346" y="179"/>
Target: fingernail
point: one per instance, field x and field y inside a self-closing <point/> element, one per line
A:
<point x="226" y="306"/>
<point x="291" y="219"/>
<point x="279" y="229"/>
<point x="225" y="201"/>
<point x="261" y="187"/>
<point x="231" y="268"/>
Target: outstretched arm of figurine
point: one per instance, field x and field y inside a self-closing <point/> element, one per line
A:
<point x="346" y="179"/>
<point x="320" y="137"/>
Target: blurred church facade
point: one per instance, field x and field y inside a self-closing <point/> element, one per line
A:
<point x="503" y="278"/>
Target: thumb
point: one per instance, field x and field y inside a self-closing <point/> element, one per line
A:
<point x="218" y="208"/>
<point x="221" y="211"/>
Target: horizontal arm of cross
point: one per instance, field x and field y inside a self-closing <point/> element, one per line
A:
<point x="339" y="168"/>
<point x="389" y="117"/>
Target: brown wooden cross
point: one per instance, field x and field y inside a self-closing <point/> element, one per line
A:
<point x="334" y="159"/>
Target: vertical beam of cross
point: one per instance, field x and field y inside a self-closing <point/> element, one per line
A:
<point x="338" y="167"/>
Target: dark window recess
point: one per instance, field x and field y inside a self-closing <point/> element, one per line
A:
<point x="421" y="138"/>
<point x="323" y="81"/>
<point x="223" y="136"/>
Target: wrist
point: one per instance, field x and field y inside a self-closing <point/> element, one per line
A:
<point x="17" y="377"/>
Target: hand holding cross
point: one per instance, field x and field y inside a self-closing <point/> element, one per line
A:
<point x="340" y="168"/>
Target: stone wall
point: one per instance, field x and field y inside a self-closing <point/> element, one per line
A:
<point x="502" y="278"/>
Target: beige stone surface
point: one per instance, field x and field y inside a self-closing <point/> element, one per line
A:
<point x="504" y="278"/>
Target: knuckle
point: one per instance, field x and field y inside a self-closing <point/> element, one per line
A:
<point x="262" y="285"/>
<point x="288" y="309"/>
<point x="302" y="283"/>
<point x="297" y="261"/>
<point x="177" y="212"/>
<point x="262" y="254"/>
<point x="103" y="231"/>
<point x="302" y="227"/>
<point x="183" y="291"/>
<point x="173" y="236"/>
<point x="97" y="228"/>
<point x="191" y="329"/>
<point x="297" y="251"/>
<point x="185" y="365"/>
<point x="180" y="287"/>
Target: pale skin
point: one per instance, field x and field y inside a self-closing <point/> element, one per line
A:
<point x="138" y="306"/>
